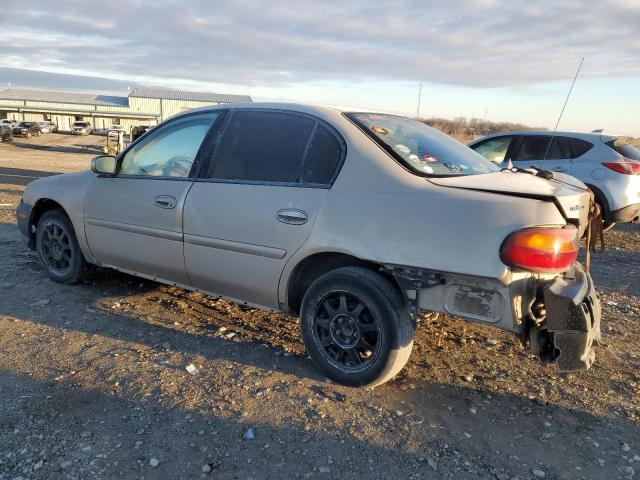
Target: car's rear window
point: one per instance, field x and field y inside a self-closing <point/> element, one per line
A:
<point x="625" y="148"/>
<point x="422" y="149"/>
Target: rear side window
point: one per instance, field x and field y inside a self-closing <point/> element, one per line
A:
<point x="262" y="147"/>
<point x="494" y="149"/>
<point x="277" y="147"/>
<point x="539" y="147"/>
<point x="579" y="147"/>
<point x="323" y="157"/>
<point x="625" y="148"/>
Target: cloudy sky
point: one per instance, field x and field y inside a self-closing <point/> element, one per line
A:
<point x="511" y="60"/>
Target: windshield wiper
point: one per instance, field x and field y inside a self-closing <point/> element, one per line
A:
<point x="538" y="172"/>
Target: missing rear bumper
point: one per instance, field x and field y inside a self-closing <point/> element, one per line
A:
<point x="573" y="314"/>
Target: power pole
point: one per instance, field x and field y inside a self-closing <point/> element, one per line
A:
<point x="419" y="98"/>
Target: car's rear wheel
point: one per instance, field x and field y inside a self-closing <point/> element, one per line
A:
<point x="58" y="249"/>
<point x="356" y="327"/>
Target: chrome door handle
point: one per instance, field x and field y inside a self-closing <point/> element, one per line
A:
<point x="559" y="169"/>
<point x="292" y="216"/>
<point x="165" y="201"/>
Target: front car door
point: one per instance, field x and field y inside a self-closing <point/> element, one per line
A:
<point x="256" y="203"/>
<point x="133" y="220"/>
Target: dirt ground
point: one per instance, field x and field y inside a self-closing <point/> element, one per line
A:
<point x="93" y="381"/>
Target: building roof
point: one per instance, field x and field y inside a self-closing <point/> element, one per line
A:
<point x="167" y="93"/>
<point x="63" y="97"/>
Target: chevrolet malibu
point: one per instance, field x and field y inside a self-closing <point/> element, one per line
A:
<point x="355" y="221"/>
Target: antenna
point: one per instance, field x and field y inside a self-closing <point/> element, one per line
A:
<point x="419" y="98"/>
<point x="566" y="100"/>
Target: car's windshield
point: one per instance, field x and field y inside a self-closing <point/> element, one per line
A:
<point x="624" y="147"/>
<point x="80" y="124"/>
<point x="424" y="150"/>
<point x="24" y="124"/>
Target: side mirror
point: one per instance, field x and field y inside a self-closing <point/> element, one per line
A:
<point x="104" y="164"/>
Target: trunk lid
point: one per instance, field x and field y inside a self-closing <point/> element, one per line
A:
<point x="569" y="194"/>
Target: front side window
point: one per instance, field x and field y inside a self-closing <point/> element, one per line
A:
<point x="423" y="150"/>
<point x="494" y="149"/>
<point x="171" y="150"/>
<point x="262" y="146"/>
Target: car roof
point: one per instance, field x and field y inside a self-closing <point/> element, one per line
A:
<point x="312" y="109"/>
<point x="581" y="135"/>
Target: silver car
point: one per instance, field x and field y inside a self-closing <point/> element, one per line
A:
<point x="81" y="128"/>
<point x="354" y="221"/>
<point x="609" y="165"/>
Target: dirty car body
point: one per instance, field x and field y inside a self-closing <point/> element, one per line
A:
<point x="355" y="221"/>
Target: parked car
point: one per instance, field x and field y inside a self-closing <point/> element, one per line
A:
<point x="354" y="221"/>
<point x="609" y="165"/>
<point x="47" y="126"/>
<point x="81" y="128"/>
<point x="27" y="129"/>
<point x="6" y="133"/>
<point x="9" y="122"/>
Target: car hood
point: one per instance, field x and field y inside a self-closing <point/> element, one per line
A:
<point x="570" y="195"/>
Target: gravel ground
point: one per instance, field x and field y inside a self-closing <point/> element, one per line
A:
<point x="94" y="381"/>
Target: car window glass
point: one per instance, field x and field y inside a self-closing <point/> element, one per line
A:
<point x="579" y="147"/>
<point x="539" y="147"/>
<point x="262" y="146"/>
<point x="171" y="149"/>
<point x="421" y="149"/>
<point x="494" y="149"/>
<point x="323" y="157"/>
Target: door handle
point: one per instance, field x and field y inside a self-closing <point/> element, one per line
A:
<point x="559" y="169"/>
<point x="292" y="216"/>
<point x="165" y="201"/>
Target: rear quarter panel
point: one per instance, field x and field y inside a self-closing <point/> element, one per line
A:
<point x="378" y="211"/>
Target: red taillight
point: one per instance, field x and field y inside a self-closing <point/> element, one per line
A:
<point x="626" y="168"/>
<point x="543" y="250"/>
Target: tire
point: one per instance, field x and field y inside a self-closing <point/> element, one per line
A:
<point x="356" y="327"/>
<point x="58" y="249"/>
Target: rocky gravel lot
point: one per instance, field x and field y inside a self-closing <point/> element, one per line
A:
<point x="124" y="378"/>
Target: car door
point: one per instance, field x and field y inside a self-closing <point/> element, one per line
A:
<point x="256" y="203"/>
<point x="543" y="151"/>
<point x="133" y="220"/>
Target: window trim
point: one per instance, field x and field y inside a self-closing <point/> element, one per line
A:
<point x="196" y="161"/>
<point x="209" y="161"/>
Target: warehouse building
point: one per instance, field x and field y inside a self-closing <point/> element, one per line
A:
<point x="143" y="106"/>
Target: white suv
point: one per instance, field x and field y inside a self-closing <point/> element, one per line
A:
<point x="609" y="165"/>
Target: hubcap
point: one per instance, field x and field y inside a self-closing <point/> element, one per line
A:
<point x="55" y="248"/>
<point x="346" y="331"/>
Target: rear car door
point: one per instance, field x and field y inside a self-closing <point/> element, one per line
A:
<point x="543" y="151"/>
<point x="133" y="220"/>
<point x="256" y="203"/>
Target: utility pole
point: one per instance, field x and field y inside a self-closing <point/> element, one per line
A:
<point x="419" y="98"/>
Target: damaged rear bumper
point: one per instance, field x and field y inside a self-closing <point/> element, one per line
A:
<point x="573" y="319"/>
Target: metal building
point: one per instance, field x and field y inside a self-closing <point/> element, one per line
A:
<point x="143" y="106"/>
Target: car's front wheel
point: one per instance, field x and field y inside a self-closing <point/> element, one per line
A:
<point x="58" y="249"/>
<point x="356" y="327"/>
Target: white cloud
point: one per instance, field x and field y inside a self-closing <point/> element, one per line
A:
<point x="479" y="43"/>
